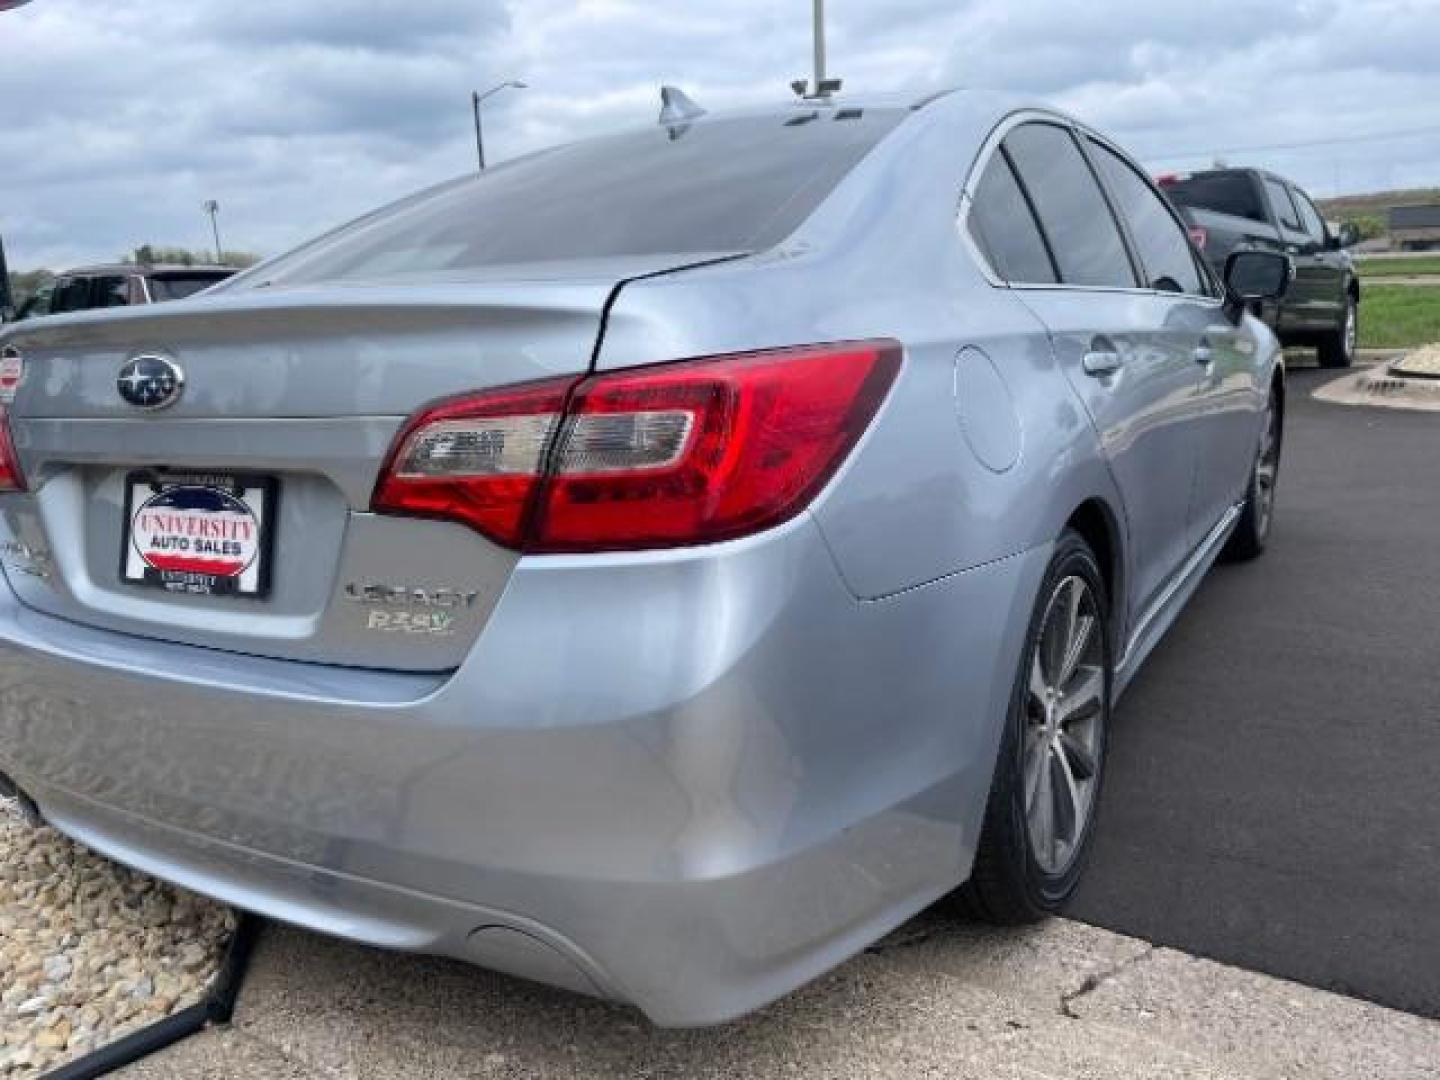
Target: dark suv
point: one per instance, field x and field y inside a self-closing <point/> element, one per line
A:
<point x="119" y="286"/>
<point x="1252" y="210"/>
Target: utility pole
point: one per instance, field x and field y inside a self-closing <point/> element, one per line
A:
<point x="824" y="87"/>
<point x="212" y="208"/>
<point x="819" y="46"/>
<point x="475" y="99"/>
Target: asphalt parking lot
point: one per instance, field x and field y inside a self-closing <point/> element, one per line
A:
<point x="1274" y="793"/>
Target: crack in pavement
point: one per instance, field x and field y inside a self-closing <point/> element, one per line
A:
<point x="1096" y="979"/>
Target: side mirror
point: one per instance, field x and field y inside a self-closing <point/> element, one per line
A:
<point x="1255" y="277"/>
<point x="1259" y="275"/>
<point x="1349" y="235"/>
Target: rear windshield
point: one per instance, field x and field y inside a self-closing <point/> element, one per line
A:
<point x="1224" y="193"/>
<point x="725" y="185"/>
<point x="179" y="286"/>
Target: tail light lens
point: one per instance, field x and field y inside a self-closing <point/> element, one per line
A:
<point x="1199" y="237"/>
<point x="12" y="371"/>
<point x="476" y="460"/>
<point x="11" y="478"/>
<point x="665" y="456"/>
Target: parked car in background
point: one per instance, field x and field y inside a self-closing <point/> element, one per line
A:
<point x="1252" y="210"/>
<point x="120" y="285"/>
<point x="657" y="566"/>
<point x="1415" y="228"/>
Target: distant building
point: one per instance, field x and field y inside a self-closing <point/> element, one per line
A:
<point x="1415" y="228"/>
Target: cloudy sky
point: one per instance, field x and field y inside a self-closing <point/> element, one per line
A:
<point x="118" y="118"/>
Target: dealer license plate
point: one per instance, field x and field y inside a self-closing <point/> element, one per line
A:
<point x="204" y="534"/>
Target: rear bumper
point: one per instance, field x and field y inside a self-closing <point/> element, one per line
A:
<point x="690" y="780"/>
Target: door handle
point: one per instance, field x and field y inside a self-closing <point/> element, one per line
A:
<point x="1204" y="354"/>
<point x="1101" y="362"/>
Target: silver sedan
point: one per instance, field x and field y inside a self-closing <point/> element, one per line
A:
<point x="657" y="566"/>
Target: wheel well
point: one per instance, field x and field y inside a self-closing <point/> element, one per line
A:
<point x="1354" y="289"/>
<point x="1092" y="520"/>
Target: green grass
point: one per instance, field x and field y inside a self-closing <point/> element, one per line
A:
<point x="1420" y="264"/>
<point x="1399" y="316"/>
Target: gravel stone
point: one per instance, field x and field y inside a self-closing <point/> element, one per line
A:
<point x="91" y="951"/>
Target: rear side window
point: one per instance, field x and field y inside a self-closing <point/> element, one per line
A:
<point x="1077" y="221"/>
<point x="1284" y="208"/>
<point x="179" y="286"/>
<point x="1163" y="248"/>
<point x="1004" y="229"/>
<point x="112" y="292"/>
<point x="736" y="184"/>
<point x="71" y="294"/>
<point x="1223" y="193"/>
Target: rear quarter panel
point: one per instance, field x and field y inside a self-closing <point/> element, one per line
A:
<point x="981" y="450"/>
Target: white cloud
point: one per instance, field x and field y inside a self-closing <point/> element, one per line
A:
<point x="118" y="118"/>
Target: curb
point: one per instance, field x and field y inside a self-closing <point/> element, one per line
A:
<point x="216" y="1008"/>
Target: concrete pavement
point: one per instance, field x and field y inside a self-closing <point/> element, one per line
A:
<point x="941" y="997"/>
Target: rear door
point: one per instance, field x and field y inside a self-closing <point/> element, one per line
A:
<point x="1306" y="306"/>
<point x="1329" y="264"/>
<point x="1118" y="344"/>
<point x="1224" y="401"/>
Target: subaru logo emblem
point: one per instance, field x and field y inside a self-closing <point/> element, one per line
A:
<point x="150" y="382"/>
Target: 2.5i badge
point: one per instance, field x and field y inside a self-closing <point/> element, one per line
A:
<point x="201" y="534"/>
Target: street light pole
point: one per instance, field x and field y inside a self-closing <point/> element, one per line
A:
<point x="479" y="139"/>
<point x="819" y="46"/>
<point x="824" y="87"/>
<point x="475" y="99"/>
<point x="213" y="209"/>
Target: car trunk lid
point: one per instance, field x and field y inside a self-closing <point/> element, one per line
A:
<point x="290" y="402"/>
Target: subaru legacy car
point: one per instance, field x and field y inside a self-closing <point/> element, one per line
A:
<point x="657" y="566"/>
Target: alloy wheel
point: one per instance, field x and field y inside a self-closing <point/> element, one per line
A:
<point x="1267" y="471"/>
<point x="1352" y="329"/>
<point x="1065" y="711"/>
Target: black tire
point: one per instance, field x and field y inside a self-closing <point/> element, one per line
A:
<point x="1337" y="348"/>
<point x="1008" y="885"/>
<point x="1252" y="531"/>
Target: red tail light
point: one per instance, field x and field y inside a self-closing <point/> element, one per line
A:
<point x="1199" y="237"/>
<point x="685" y="453"/>
<point x="12" y="371"/>
<point x="11" y="478"/>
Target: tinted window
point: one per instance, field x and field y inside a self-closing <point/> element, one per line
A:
<point x="1314" y="224"/>
<point x="71" y="294"/>
<point x="1163" y="248"/>
<point x="1224" y="193"/>
<point x="1077" y="222"/>
<point x="112" y="292"/>
<point x="1284" y="208"/>
<point x="1005" y="229"/>
<point x="736" y="184"/>
<point x="179" y="286"/>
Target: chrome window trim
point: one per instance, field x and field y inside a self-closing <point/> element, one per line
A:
<point x="967" y="202"/>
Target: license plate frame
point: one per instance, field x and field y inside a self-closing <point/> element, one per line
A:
<point x="204" y="534"/>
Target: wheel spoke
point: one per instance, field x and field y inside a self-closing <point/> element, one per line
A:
<point x="1068" y="807"/>
<point x="1075" y="650"/>
<point x="1042" y="814"/>
<point x="1078" y="756"/>
<point x="1034" y="761"/>
<point x="1037" y="686"/>
<point x="1082" y="695"/>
